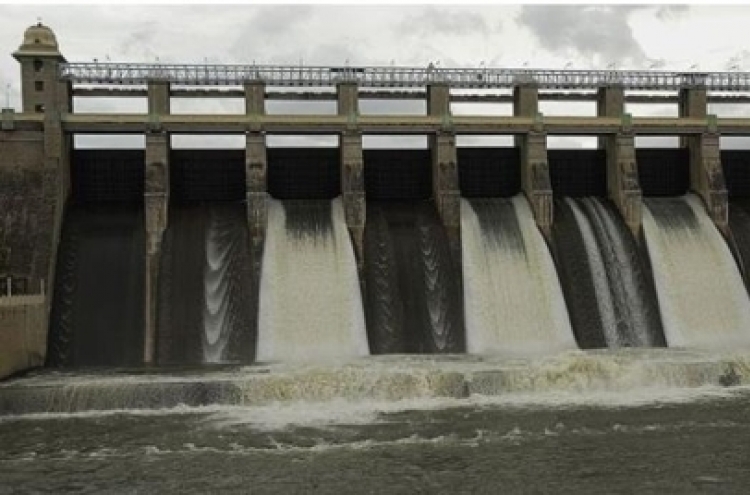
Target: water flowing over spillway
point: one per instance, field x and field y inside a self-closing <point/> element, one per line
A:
<point x="310" y="298"/>
<point x="97" y="315"/>
<point x="206" y="306"/>
<point x="413" y="292"/>
<point x="610" y="295"/>
<point x="513" y="301"/>
<point x="701" y="295"/>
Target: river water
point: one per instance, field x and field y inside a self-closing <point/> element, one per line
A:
<point x="591" y="423"/>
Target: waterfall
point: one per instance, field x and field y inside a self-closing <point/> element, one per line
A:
<point x="513" y="300"/>
<point x="413" y="297"/>
<point x="206" y="308"/>
<point x="600" y="263"/>
<point x="310" y="299"/>
<point x="701" y="295"/>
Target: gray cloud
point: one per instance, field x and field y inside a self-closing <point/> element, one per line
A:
<point x="434" y="20"/>
<point x="586" y="30"/>
<point x="669" y="12"/>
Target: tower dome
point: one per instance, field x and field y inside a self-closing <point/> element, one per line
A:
<point x="38" y="40"/>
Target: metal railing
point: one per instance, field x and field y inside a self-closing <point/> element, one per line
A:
<point x="395" y="77"/>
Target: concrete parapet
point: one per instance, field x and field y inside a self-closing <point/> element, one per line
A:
<point x="156" y="204"/>
<point x="353" y="189"/>
<point x="23" y="333"/>
<point x="707" y="177"/>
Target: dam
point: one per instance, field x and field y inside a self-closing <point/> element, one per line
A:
<point x="164" y="257"/>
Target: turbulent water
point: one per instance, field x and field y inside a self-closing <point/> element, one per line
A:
<point x="513" y="301"/>
<point x="206" y="310"/>
<point x="701" y="295"/>
<point x="651" y="421"/>
<point x="310" y="298"/>
<point x="97" y="314"/>
<point x="599" y="262"/>
<point x="412" y="288"/>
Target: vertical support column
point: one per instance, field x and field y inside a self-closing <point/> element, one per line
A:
<point x="706" y="174"/>
<point x="158" y="98"/>
<point x="156" y="199"/>
<point x="352" y="169"/>
<point x="445" y="186"/>
<point x="623" y="185"/>
<point x="535" y="181"/>
<point x="353" y="189"/>
<point x="707" y="177"/>
<point x="256" y="176"/>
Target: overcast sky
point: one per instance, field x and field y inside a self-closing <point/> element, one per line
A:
<point x="700" y="37"/>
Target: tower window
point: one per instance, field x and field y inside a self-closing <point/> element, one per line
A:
<point x="39" y="85"/>
<point x="38" y="64"/>
<point x="39" y="108"/>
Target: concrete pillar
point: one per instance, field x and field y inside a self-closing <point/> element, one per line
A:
<point x="256" y="176"/>
<point x="353" y="189"/>
<point x="347" y="98"/>
<point x="438" y="100"/>
<point x="610" y="102"/>
<point x="158" y="98"/>
<point x="445" y="187"/>
<point x="692" y="102"/>
<point x="622" y="179"/>
<point x="535" y="181"/>
<point x="156" y="203"/>
<point x="255" y="98"/>
<point x="707" y="177"/>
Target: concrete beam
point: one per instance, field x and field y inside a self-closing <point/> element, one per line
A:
<point x="156" y="204"/>
<point x="707" y="177"/>
<point x="353" y="190"/>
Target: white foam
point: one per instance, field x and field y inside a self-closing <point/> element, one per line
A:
<point x="310" y="300"/>
<point x="513" y="300"/>
<point x="702" y="299"/>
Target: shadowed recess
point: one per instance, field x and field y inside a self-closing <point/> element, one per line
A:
<point x="97" y="311"/>
<point x="413" y="297"/>
<point x="577" y="173"/>
<point x="663" y="171"/>
<point x="489" y="172"/>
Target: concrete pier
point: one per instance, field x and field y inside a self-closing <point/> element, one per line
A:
<point x="535" y="179"/>
<point x="156" y="204"/>
<point x="445" y="187"/>
<point x="623" y="187"/>
<point x="706" y="174"/>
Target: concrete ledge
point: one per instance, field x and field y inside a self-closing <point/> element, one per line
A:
<point x="23" y="333"/>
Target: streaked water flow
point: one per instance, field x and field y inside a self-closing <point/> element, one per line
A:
<point x="701" y="295"/>
<point x="513" y="301"/>
<point x="600" y="262"/>
<point x="310" y="299"/>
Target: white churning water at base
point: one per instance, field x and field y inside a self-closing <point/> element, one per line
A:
<point x="310" y="299"/>
<point x="513" y="301"/>
<point x="702" y="300"/>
